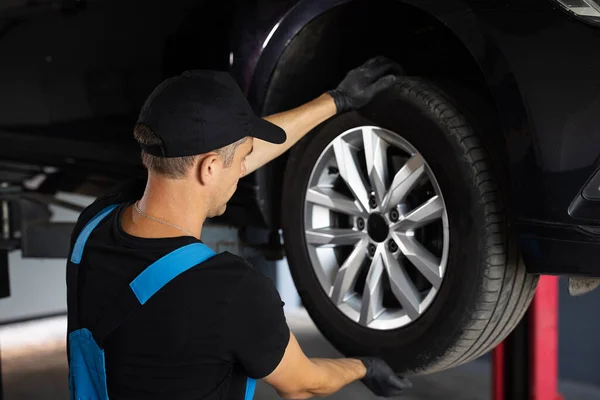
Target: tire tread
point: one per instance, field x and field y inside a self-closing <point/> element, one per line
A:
<point x="511" y="289"/>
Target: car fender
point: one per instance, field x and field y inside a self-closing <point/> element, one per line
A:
<point x="261" y="53"/>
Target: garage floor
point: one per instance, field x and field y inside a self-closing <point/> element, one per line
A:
<point x="34" y="367"/>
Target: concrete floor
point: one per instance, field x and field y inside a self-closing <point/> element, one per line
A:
<point x="34" y="367"/>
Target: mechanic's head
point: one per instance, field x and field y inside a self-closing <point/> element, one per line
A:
<point x="217" y="172"/>
<point x="197" y="129"/>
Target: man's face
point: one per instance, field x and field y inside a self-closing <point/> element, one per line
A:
<point x="229" y="177"/>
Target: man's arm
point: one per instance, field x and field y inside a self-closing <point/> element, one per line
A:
<point x="300" y="377"/>
<point x="358" y="88"/>
<point x="296" y="123"/>
<point x="261" y="342"/>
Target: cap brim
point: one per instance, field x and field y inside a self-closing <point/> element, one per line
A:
<point x="267" y="131"/>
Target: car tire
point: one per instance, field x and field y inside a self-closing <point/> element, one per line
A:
<point x="485" y="289"/>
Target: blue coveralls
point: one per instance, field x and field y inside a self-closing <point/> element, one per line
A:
<point x="87" y="373"/>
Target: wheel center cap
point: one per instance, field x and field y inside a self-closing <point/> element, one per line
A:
<point x="377" y="227"/>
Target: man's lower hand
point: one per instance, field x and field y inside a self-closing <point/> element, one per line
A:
<point x="381" y="379"/>
<point x="363" y="83"/>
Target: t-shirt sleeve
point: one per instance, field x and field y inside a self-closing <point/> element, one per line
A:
<point x="259" y="331"/>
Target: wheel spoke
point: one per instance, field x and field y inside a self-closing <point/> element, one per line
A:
<point x="335" y="201"/>
<point x="333" y="236"/>
<point x="403" y="182"/>
<point x="375" y="155"/>
<point x="422" y="259"/>
<point x="348" y="273"/>
<point x="402" y="286"/>
<point x="347" y="162"/>
<point x="372" y="298"/>
<point x="427" y="212"/>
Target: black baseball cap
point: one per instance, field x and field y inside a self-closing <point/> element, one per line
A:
<point x="200" y="111"/>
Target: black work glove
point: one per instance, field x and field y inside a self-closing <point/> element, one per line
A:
<point x="362" y="84"/>
<point x="381" y="379"/>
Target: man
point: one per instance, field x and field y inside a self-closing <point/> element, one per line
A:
<point x="147" y="322"/>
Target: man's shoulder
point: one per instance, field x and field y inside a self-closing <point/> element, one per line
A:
<point x="126" y="191"/>
<point x="230" y="263"/>
<point x="224" y="277"/>
<point x="239" y="270"/>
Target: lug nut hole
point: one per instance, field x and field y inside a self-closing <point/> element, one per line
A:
<point x="372" y="201"/>
<point x="360" y="224"/>
<point x="371" y="250"/>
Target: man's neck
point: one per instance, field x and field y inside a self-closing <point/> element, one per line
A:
<point x="170" y="201"/>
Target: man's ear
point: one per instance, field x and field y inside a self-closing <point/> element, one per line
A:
<point x="207" y="168"/>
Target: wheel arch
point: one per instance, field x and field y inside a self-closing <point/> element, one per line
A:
<point x="442" y="41"/>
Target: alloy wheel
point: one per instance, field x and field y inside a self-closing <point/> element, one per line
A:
<point x="376" y="228"/>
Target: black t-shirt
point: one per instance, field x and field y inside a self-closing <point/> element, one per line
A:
<point x="199" y="337"/>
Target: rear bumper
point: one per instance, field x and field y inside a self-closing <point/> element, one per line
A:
<point x="559" y="249"/>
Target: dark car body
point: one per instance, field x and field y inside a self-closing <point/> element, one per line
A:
<point x="73" y="75"/>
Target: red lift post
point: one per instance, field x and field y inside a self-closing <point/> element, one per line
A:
<point x="525" y="365"/>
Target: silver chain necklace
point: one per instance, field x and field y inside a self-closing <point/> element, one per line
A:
<point x="143" y="214"/>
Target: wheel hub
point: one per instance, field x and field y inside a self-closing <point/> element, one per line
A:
<point x="377" y="227"/>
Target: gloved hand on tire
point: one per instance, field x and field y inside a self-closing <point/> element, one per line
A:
<point x="381" y="379"/>
<point x="362" y="84"/>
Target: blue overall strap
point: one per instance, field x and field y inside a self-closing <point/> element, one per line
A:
<point x="148" y="283"/>
<point x="161" y="272"/>
<point x="87" y="231"/>
<point x="86" y="360"/>
<point x="250" y="387"/>
<point x="73" y="275"/>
